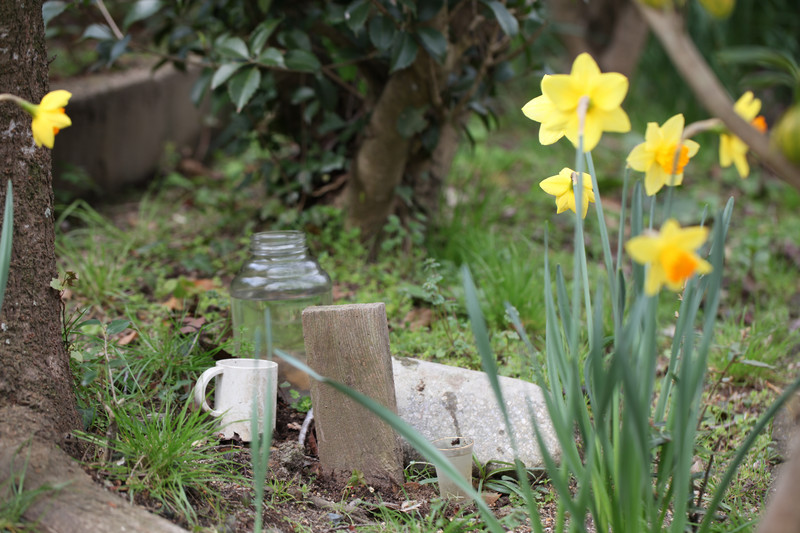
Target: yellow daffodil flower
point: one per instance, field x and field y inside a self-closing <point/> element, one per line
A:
<point x="558" y="107"/>
<point x="671" y="254"/>
<point x="662" y="155"/>
<point x="562" y="187"/>
<point x="48" y="117"/>
<point x="733" y="150"/>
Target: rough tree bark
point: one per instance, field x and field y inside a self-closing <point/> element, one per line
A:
<point x="35" y="373"/>
<point x="37" y="403"/>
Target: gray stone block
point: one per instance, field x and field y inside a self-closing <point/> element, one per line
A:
<point x="443" y="401"/>
<point x="121" y="122"/>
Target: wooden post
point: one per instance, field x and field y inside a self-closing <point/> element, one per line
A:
<point x="350" y="344"/>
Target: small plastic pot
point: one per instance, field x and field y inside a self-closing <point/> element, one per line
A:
<point x="458" y="451"/>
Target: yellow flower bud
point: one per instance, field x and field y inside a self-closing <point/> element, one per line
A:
<point x="786" y="134"/>
<point x="658" y="4"/>
<point x="720" y="9"/>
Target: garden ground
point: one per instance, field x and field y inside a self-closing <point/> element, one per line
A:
<point x="145" y="279"/>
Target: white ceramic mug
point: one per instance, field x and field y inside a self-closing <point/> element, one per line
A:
<point x="238" y="381"/>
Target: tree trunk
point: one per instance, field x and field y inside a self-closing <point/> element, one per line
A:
<point x="385" y="159"/>
<point x="35" y="371"/>
<point x="612" y="31"/>
<point x="381" y="160"/>
<point x="37" y="402"/>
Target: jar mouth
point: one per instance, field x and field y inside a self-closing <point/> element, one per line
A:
<point x="278" y="242"/>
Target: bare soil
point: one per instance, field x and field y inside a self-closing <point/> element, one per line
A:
<point x="299" y="496"/>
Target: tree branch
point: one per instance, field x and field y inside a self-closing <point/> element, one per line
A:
<point x="668" y="28"/>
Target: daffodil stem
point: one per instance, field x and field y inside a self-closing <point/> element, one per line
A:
<point x="580" y="269"/>
<point x="709" y="124"/>
<point x="601" y="222"/>
<point x="667" y="203"/>
<point x="621" y="236"/>
<point x="11" y="98"/>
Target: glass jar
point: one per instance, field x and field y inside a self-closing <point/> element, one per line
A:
<point x="277" y="281"/>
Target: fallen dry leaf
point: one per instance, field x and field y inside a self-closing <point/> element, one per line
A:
<point x="204" y="284"/>
<point x="192" y="324"/>
<point x="127" y="338"/>
<point x="173" y="304"/>
<point x="418" y="318"/>
<point x="490" y="497"/>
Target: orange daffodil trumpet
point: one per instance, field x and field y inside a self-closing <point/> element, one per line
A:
<point x="663" y="154"/>
<point x="671" y="255"/>
<point x="49" y="116"/>
<point x="562" y="95"/>
<point x="562" y="186"/>
<point x="733" y="150"/>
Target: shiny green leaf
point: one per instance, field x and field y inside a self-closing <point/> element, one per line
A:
<point x="428" y="9"/>
<point x="356" y="15"/>
<point x="243" y="86"/>
<point x="381" y="32"/>
<point x="223" y="73"/>
<point x="117" y="326"/>
<point x="434" y="42"/>
<point x="235" y="46"/>
<point x="302" y="60"/>
<point x="101" y="32"/>
<point x="404" y="51"/>
<point x="272" y="57"/>
<point x="262" y="33"/>
<point x="508" y="23"/>
<point x="141" y="10"/>
<point x="52" y="9"/>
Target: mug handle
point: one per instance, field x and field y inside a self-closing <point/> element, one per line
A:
<point x="200" y="390"/>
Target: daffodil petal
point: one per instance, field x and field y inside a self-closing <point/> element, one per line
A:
<point x="565" y="202"/>
<point x="549" y="136"/>
<point x="538" y="109"/>
<point x="642" y="249"/>
<point x="556" y="185"/>
<point x="656" y="277"/>
<point x="43" y="134"/>
<point x="584" y="69"/>
<point x="725" y="156"/>
<point x="747" y="106"/>
<point x="614" y="120"/>
<point x="610" y="91"/>
<point x="741" y="164"/>
<point x="639" y="159"/>
<point x="592" y="131"/>
<point x="562" y="91"/>
<point x="692" y="146"/>
<point x="55" y="100"/>
<point x="654" y="179"/>
<point x="672" y="130"/>
<point x="703" y="266"/>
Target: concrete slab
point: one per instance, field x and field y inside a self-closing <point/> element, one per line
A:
<point x="443" y="401"/>
<point x="121" y="122"/>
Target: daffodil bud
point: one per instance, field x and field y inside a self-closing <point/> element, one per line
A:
<point x="786" y="134"/>
<point x="658" y="4"/>
<point x="720" y="9"/>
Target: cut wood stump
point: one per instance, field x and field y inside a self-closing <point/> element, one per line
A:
<point x="350" y="344"/>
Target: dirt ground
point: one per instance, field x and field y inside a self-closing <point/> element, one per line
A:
<point x="303" y="498"/>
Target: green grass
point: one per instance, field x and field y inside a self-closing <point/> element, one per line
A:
<point x="167" y="455"/>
